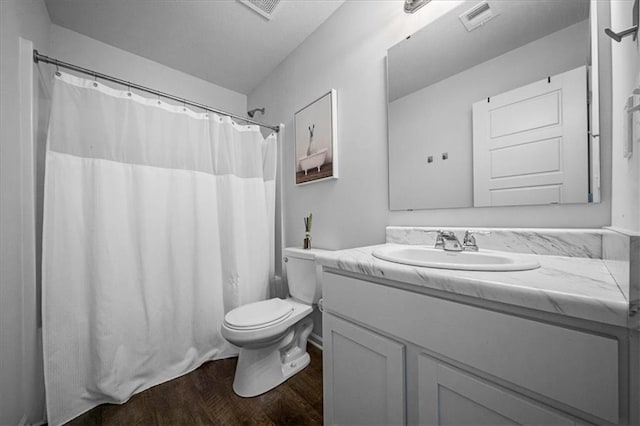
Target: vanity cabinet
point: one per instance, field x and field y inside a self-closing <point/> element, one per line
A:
<point x="393" y="355"/>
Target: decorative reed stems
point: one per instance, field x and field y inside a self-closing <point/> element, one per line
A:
<point x="307" y="231"/>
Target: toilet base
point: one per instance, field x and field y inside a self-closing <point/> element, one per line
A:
<point x="261" y="369"/>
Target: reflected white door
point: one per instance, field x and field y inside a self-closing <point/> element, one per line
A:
<point x="530" y="144"/>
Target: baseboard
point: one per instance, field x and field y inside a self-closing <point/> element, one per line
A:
<point x="315" y="340"/>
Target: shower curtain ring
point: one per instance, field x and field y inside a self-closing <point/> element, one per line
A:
<point x="58" y="69"/>
<point x="128" y="88"/>
<point x="95" y="80"/>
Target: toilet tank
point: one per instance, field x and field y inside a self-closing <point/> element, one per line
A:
<point x="303" y="275"/>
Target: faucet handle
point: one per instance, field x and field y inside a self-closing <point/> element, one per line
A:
<point x="428" y="231"/>
<point x="439" y="237"/>
<point x="469" y="241"/>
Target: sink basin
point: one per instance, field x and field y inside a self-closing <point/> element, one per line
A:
<point x="483" y="260"/>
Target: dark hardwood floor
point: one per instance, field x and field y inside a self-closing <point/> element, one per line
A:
<point x="205" y="397"/>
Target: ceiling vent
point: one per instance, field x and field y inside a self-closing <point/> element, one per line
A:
<point x="265" y="8"/>
<point x="478" y="15"/>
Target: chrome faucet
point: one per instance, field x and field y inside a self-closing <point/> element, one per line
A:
<point x="469" y="241"/>
<point x="448" y="241"/>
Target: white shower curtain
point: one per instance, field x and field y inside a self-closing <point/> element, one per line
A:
<point x="157" y="221"/>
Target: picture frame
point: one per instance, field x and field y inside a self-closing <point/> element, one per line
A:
<point x="316" y="144"/>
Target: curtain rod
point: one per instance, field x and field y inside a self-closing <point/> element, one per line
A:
<point x="37" y="57"/>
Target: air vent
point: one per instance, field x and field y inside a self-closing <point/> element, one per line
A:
<point x="265" y="8"/>
<point x="478" y="15"/>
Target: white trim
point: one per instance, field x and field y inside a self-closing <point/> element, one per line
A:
<point x="593" y="83"/>
<point x="280" y="289"/>
<point x="315" y="340"/>
<point x="32" y="395"/>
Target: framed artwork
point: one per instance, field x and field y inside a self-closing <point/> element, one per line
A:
<point x="316" y="153"/>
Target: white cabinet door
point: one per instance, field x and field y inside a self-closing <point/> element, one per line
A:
<point x="530" y="144"/>
<point x="363" y="376"/>
<point x="449" y="396"/>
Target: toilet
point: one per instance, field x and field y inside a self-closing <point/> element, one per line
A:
<point x="272" y="334"/>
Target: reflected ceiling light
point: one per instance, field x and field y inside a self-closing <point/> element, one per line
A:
<point x="410" y="6"/>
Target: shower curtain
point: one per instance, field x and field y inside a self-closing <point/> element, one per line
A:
<point x="157" y="221"/>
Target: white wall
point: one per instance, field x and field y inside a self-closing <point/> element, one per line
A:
<point x="625" y="57"/>
<point x="21" y="392"/>
<point x="348" y="53"/>
<point x="438" y="119"/>
<point x="75" y="48"/>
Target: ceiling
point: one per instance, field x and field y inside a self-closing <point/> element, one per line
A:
<point x="444" y="47"/>
<point x="221" y="41"/>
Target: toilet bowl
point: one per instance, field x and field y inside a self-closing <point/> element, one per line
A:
<point x="272" y="334"/>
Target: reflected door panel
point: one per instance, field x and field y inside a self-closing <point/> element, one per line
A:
<point x="530" y="145"/>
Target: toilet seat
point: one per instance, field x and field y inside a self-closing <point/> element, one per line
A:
<point x="257" y="315"/>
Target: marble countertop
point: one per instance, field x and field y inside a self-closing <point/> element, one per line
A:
<point x="578" y="287"/>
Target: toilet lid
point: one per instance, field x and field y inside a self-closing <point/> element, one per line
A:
<point x="259" y="314"/>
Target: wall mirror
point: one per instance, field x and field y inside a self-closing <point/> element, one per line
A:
<point x="489" y="106"/>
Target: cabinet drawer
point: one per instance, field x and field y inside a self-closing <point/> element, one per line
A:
<point x="575" y="368"/>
